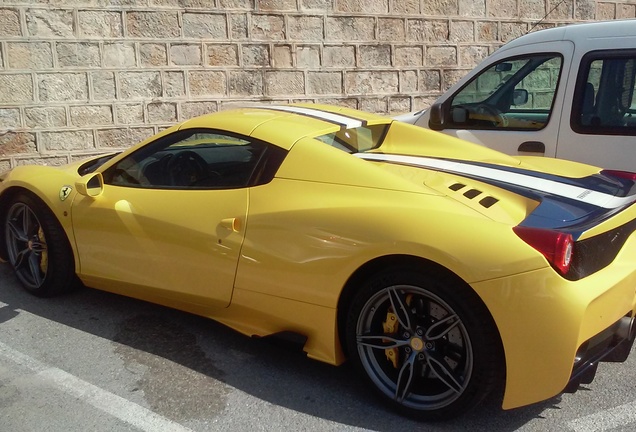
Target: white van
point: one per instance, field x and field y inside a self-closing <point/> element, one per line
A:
<point x="566" y="92"/>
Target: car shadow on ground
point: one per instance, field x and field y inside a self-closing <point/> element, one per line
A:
<point x="187" y="359"/>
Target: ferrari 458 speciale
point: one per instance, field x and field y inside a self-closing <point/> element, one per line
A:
<point x="441" y="269"/>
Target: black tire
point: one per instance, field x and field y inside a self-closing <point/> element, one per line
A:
<point x="425" y="342"/>
<point x="37" y="247"/>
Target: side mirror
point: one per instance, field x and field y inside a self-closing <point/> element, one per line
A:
<point x="90" y="185"/>
<point x="519" y="97"/>
<point x="436" y="118"/>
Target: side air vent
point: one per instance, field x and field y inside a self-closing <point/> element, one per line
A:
<point x="487" y="201"/>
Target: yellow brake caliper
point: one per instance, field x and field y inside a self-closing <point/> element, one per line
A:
<point x="391" y="327"/>
<point x="44" y="260"/>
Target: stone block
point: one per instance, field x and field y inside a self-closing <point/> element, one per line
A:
<point x="585" y="10"/>
<point x="348" y="29"/>
<point x="409" y="81"/>
<point x="391" y="29"/>
<point x="5" y="165"/>
<point x="16" y="88"/>
<point x="374" y="56"/>
<point x="317" y="5"/>
<point x="430" y="80"/>
<point x="284" y="83"/>
<point x="409" y="56"/>
<point x="9" y="118"/>
<point x="100" y="24"/>
<point x="441" y="56"/>
<point x="153" y="54"/>
<point x="509" y="31"/>
<point x="162" y="112"/>
<point x="472" y="8"/>
<point x="50" y="23"/>
<point x="185" y="54"/>
<point x="78" y="55"/>
<point x="305" y="28"/>
<point x="340" y="56"/>
<point x="561" y="10"/>
<point x="255" y="55"/>
<point x="441" y="8"/>
<point x="103" y="85"/>
<point x="282" y="56"/>
<point x="205" y="26"/>
<point x="42" y="160"/>
<point x="246" y="83"/>
<point x="322" y="83"/>
<point x="307" y="56"/>
<point x="222" y="55"/>
<point x="626" y="11"/>
<point x="236" y="4"/>
<point x="347" y="102"/>
<point x="17" y="143"/>
<point x="276" y="5"/>
<point x="153" y="24"/>
<point x="238" y="26"/>
<point x="66" y="140"/>
<point x="207" y="83"/>
<point x="268" y="27"/>
<point x="532" y="9"/>
<point x="399" y="105"/>
<point x="54" y="87"/>
<point x="186" y="4"/>
<point x="120" y="55"/>
<point x="195" y="109"/>
<point x="10" y="23"/>
<point x="174" y="84"/>
<point x="363" y="6"/>
<point x="45" y="117"/>
<point x="422" y="30"/>
<point x="129" y="114"/>
<point x="91" y="115"/>
<point x="462" y="31"/>
<point x="140" y="85"/>
<point x="487" y="31"/>
<point x="122" y="137"/>
<point x="374" y="105"/>
<point x="29" y="55"/>
<point x="406" y="7"/>
<point x="605" y="11"/>
<point x="502" y="8"/>
<point x="470" y="56"/>
<point x="365" y="82"/>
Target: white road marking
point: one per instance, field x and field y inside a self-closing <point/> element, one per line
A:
<point x="605" y="420"/>
<point x="117" y="406"/>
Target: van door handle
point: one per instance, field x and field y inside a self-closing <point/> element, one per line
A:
<point x="532" y="147"/>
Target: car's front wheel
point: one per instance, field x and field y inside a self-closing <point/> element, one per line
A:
<point x="424" y="341"/>
<point x="37" y="247"/>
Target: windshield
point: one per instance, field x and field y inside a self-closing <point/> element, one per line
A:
<point x="356" y="140"/>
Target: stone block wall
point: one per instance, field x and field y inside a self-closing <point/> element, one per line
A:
<point x="80" y="77"/>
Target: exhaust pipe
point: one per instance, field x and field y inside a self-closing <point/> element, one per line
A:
<point x="626" y="328"/>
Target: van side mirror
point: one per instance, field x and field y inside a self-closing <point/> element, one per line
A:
<point x="90" y="185"/>
<point x="436" y="119"/>
<point x="519" y="97"/>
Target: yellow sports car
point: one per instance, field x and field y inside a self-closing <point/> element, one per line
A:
<point x="443" y="270"/>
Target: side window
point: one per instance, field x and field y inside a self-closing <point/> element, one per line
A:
<point x="195" y="159"/>
<point x="604" y="96"/>
<point x="515" y="94"/>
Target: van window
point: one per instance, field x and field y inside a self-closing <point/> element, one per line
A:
<point x="604" y="96"/>
<point x="514" y="94"/>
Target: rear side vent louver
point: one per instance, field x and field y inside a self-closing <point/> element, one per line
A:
<point x="487" y="201"/>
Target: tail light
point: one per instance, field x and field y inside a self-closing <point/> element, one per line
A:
<point x="556" y="247"/>
<point x="620" y="174"/>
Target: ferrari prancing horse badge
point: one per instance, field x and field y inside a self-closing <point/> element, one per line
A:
<point x="65" y="192"/>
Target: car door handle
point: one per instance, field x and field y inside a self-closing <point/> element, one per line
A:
<point x="532" y="147"/>
<point x="232" y="224"/>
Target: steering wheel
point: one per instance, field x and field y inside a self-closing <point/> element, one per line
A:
<point x="489" y="113"/>
<point x="186" y="168"/>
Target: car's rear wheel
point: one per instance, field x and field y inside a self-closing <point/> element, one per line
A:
<point x="424" y="341"/>
<point x="37" y="248"/>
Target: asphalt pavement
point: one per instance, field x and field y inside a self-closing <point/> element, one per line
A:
<point x="94" y="361"/>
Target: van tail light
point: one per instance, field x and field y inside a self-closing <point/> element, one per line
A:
<point x="556" y="247"/>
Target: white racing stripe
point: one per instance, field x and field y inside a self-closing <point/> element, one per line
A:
<point x="347" y="122"/>
<point x="117" y="406"/>
<point x="577" y="193"/>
